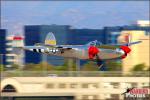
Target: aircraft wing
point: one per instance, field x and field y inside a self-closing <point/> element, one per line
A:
<point x="60" y="47"/>
<point x="118" y="45"/>
<point x="109" y="46"/>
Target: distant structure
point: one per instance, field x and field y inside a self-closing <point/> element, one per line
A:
<point x="112" y="33"/>
<point x="83" y="36"/>
<point x="71" y="88"/>
<point x="12" y="57"/>
<point x="140" y="53"/>
<point x="143" y="23"/>
<point x="3" y="46"/>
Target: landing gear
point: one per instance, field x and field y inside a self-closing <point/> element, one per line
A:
<point x="101" y="64"/>
<point x="61" y="51"/>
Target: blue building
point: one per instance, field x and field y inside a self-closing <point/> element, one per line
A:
<point x="83" y="36"/>
<point x="112" y="33"/>
<point x="3" y="46"/>
<point x="135" y="27"/>
<point x="36" y="34"/>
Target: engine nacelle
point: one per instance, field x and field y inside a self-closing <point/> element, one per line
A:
<point x="126" y="50"/>
<point x="92" y="51"/>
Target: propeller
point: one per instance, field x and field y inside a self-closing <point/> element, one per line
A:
<point x="126" y="47"/>
<point x="126" y="50"/>
<point x="93" y="52"/>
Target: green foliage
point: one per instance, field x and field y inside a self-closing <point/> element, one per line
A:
<point x="38" y="67"/>
<point x="1" y="68"/>
<point x="139" y="67"/>
<point x="15" y="67"/>
<point x="90" y="66"/>
<point x="113" y="65"/>
<point x="60" y="68"/>
<point x="70" y="64"/>
<point x="148" y="69"/>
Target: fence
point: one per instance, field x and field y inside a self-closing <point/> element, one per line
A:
<point x="74" y="74"/>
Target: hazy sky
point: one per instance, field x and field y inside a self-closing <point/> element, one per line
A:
<point x="79" y="14"/>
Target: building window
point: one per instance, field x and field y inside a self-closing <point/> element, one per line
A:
<point x="107" y="85"/>
<point x="62" y="85"/>
<point x="128" y="85"/>
<point x="90" y="97"/>
<point x="9" y="88"/>
<point x="73" y="85"/>
<point x="94" y="85"/>
<point x="49" y="85"/>
<point x="147" y="33"/>
<point x="145" y="85"/>
<point x="115" y="85"/>
<point x="85" y="85"/>
<point x="111" y="96"/>
<point x="85" y="97"/>
<point x="114" y="97"/>
<point x="90" y="85"/>
<point x="10" y="57"/>
<point x="133" y="84"/>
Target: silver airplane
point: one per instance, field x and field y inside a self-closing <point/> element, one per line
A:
<point x="94" y="50"/>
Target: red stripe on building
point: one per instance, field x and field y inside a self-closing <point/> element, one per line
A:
<point x="18" y="38"/>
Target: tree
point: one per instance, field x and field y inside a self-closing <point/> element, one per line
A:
<point x="29" y="67"/>
<point x="90" y="66"/>
<point x="69" y="65"/>
<point x="148" y="69"/>
<point x="60" y="68"/>
<point x="113" y="65"/>
<point x="139" y="67"/>
<point x="1" y="68"/>
<point x="43" y="66"/>
<point x="15" y="67"/>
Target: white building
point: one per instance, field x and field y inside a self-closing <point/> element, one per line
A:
<point x="143" y="23"/>
<point x="80" y="88"/>
<point x="12" y="57"/>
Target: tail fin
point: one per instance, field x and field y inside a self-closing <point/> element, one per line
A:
<point x="129" y="41"/>
<point x="132" y="43"/>
<point x="50" y="39"/>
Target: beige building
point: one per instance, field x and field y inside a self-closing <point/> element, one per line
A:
<point x="81" y="88"/>
<point x="143" y="23"/>
<point x="139" y="53"/>
<point x="13" y="56"/>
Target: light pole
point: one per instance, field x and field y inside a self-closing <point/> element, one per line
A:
<point x="78" y="66"/>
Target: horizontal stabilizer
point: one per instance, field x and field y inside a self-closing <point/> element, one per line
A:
<point x="132" y="43"/>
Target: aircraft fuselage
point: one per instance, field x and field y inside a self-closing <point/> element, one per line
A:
<point x="79" y="52"/>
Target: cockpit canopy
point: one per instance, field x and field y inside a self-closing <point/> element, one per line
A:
<point x="94" y="43"/>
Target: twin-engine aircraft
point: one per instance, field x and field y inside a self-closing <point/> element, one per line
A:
<point x="94" y="50"/>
